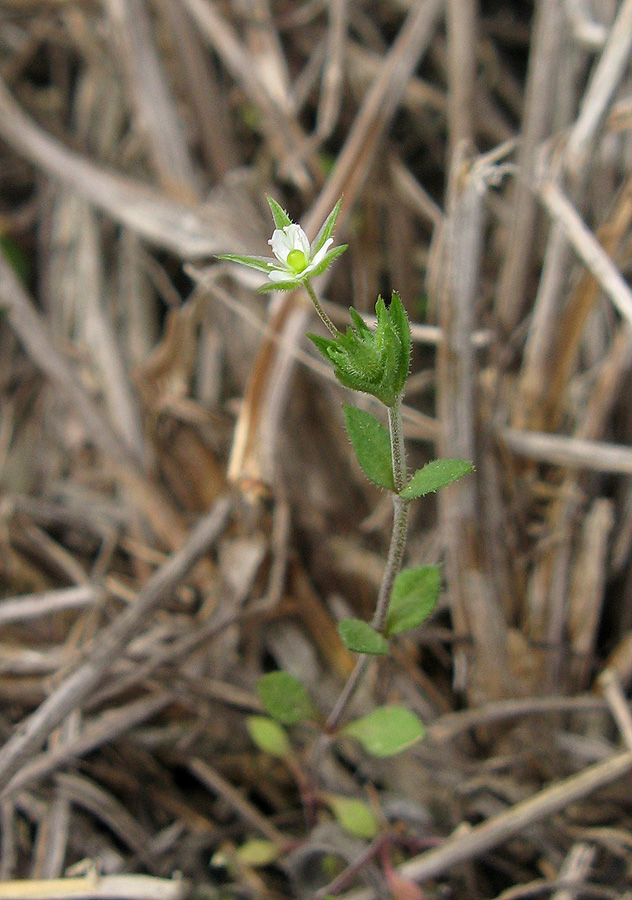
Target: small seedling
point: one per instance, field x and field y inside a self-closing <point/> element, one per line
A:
<point x="376" y="362"/>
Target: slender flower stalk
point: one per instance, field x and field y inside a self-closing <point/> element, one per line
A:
<point x="329" y="325"/>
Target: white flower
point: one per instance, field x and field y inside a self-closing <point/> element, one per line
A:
<point x="296" y="261"/>
<point x="291" y="247"/>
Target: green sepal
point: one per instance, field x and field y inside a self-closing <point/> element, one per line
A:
<point x="281" y="218"/>
<point x="254" y="262"/>
<point x="435" y="475"/>
<point x="269" y="736"/>
<point x="372" y="446"/>
<point x="413" y="598"/>
<point x="327" y="229"/>
<point x="280" y="286"/>
<point x="326" y="261"/>
<point x="284" y="698"/>
<point x="387" y="730"/>
<point x="360" y="637"/>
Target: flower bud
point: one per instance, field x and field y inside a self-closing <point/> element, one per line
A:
<point x="374" y="362"/>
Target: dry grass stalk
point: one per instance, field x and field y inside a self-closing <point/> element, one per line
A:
<point x="141" y="136"/>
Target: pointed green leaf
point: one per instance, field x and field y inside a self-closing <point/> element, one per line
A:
<point x="322" y="344"/>
<point x="358" y="322"/>
<point x="372" y="446"/>
<point x="361" y="638"/>
<point x="254" y="262"/>
<point x="413" y="598"/>
<point x="269" y="736"/>
<point x="284" y="698"/>
<point x="355" y="816"/>
<point x="435" y="475"/>
<point x="327" y="229"/>
<point x="281" y="218"/>
<point x="387" y="730"/>
<point x="401" y="326"/>
<point x="257" y="852"/>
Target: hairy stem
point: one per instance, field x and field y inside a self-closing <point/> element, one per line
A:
<point x="398" y="451"/>
<point x="393" y="561"/>
<point x="400" y="515"/>
<point x="334" y="717"/>
<point x="329" y="325"/>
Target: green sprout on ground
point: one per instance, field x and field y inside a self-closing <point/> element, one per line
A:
<point x="376" y="362"/>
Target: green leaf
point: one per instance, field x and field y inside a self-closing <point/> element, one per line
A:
<point x="355" y="816"/>
<point x="413" y="598"/>
<point x="327" y="230"/>
<point x="374" y="362"/>
<point x="401" y="326"/>
<point x="284" y="698"/>
<point x="387" y="730"/>
<point x="435" y="475"/>
<point x="254" y="262"/>
<point x="361" y="638"/>
<point x="269" y="736"/>
<point x="257" y="852"/>
<point x="372" y="445"/>
<point x="281" y="218"/>
<point x="358" y="323"/>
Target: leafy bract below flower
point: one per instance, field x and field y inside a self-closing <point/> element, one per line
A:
<point x="296" y="261"/>
<point x="375" y="362"/>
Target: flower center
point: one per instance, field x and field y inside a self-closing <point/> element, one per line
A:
<point x="296" y="261"/>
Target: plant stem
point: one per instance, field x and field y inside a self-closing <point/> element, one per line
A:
<point x="329" y="325"/>
<point x="393" y="561"/>
<point x="334" y="717"/>
<point x="398" y="451"/>
<point x="400" y="515"/>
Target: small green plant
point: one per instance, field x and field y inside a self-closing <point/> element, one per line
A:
<point x="374" y="362"/>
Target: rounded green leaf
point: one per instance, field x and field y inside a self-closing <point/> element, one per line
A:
<point x="435" y="475"/>
<point x="361" y="638"/>
<point x="284" y="698"/>
<point x="413" y="598"/>
<point x="269" y="736"/>
<point x="355" y="816"/>
<point x="387" y="730"/>
<point x="257" y="853"/>
<point x="372" y="445"/>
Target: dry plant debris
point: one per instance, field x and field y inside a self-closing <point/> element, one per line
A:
<point x="179" y="510"/>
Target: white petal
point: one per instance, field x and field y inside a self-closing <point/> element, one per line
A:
<point x="318" y="258"/>
<point x="297" y="238"/>
<point x="277" y="276"/>
<point x="281" y="244"/>
<point x="304" y="245"/>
